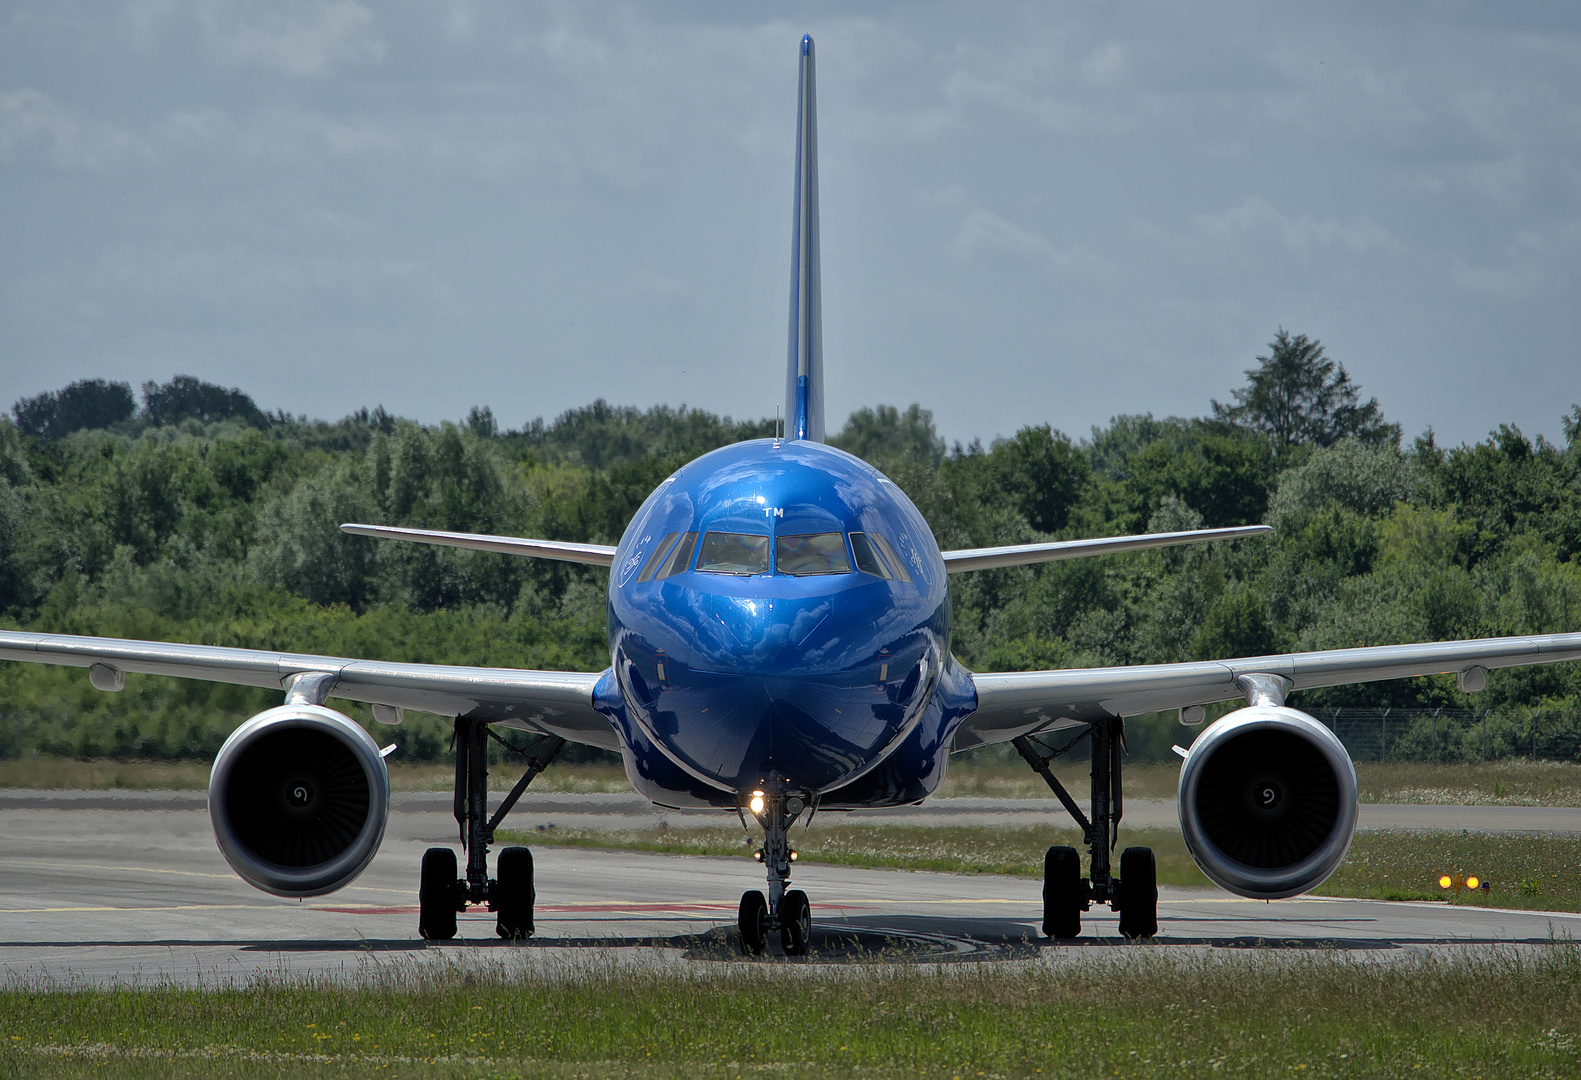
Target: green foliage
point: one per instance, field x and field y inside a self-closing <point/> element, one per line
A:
<point x="1296" y="396"/>
<point x="88" y="403"/>
<point x="885" y="433"/>
<point x="1043" y="473"/>
<point x="1368" y="479"/>
<point x="184" y="398"/>
<point x="216" y="528"/>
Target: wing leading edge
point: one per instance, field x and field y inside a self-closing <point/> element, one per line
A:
<point x="1022" y="554"/>
<point x="562" y="550"/>
<point x="1019" y="702"/>
<point x="552" y="702"/>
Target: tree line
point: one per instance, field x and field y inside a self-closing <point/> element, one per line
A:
<point x="198" y="517"/>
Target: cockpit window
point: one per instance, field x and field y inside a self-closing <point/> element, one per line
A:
<point x="734" y="553"/>
<point x="813" y="553"/>
<point x="868" y="560"/>
<point x="660" y="550"/>
<point x="679" y="559"/>
<point x="891" y="558"/>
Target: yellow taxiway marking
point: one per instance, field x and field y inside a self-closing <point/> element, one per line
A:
<point x="370" y="888"/>
<point x="63" y="864"/>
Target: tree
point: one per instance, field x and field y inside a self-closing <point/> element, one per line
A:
<point x="185" y="397"/>
<point x="87" y="403"/>
<point x="1043" y="472"/>
<point x="1296" y="396"/>
<point x="1366" y="479"/>
<point x="884" y="433"/>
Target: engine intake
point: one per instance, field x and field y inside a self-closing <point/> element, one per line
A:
<point x="1268" y="802"/>
<point x="299" y="796"/>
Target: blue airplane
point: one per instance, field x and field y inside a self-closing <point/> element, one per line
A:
<point x="779" y="641"/>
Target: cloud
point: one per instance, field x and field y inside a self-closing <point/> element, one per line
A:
<point x="1532" y="265"/>
<point x="32" y="123"/>
<point x="310" y="42"/>
<point x="982" y="232"/>
<point x="1256" y="220"/>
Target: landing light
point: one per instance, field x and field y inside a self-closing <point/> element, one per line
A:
<point x="756" y="805"/>
<point x="793" y="856"/>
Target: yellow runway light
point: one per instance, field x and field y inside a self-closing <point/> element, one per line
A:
<point x="1458" y="882"/>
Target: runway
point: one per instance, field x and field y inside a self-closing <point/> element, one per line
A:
<point x="124" y="887"/>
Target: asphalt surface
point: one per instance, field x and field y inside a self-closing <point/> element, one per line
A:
<point x="124" y="887"/>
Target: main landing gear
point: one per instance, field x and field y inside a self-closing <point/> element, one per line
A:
<point x="509" y="894"/>
<point x="780" y="925"/>
<point x="1066" y="894"/>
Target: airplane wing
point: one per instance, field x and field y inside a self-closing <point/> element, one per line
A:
<point x="563" y="550"/>
<point x="1016" y="703"/>
<point x="1021" y="554"/>
<point x="550" y="702"/>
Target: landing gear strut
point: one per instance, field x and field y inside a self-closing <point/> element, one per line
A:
<point x="441" y="893"/>
<point x="1066" y="894"/>
<point x="782" y="924"/>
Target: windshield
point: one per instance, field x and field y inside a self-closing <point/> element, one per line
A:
<point x="734" y="553"/>
<point x="814" y="553"/>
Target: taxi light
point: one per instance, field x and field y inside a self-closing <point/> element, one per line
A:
<point x="757" y="856"/>
<point x="793" y="856"/>
<point x="756" y="805"/>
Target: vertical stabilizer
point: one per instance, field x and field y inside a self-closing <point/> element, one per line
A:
<point x="804" y="377"/>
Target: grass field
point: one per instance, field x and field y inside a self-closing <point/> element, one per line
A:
<point x="1530" y="872"/>
<point x="1141" y="1013"/>
<point x="1516" y="782"/>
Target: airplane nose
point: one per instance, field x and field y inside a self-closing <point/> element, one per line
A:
<point x="775" y="685"/>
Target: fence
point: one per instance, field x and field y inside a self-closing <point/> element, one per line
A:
<point x="1455" y="735"/>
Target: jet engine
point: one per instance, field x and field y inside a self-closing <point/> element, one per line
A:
<point x="1267" y="802"/>
<point x="299" y="796"/>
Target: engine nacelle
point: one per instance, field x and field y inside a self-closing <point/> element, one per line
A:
<point x="1268" y="802"/>
<point x="299" y="796"/>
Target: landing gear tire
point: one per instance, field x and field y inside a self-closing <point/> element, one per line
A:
<point x="1138" y="893"/>
<point x="514" y="894"/>
<point x="752" y="919"/>
<point x="436" y="895"/>
<point x="1062" y="893"/>
<point x="795" y="923"/>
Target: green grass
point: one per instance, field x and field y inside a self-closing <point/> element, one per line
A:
<point x="1141" y="1012"/>
<point x="103" y="774"/>
<point x="1536" y="872"/>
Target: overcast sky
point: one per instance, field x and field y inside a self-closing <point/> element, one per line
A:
<point x="1032" y="212"/>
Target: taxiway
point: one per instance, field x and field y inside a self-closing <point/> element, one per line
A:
<point x="128" y="887"/>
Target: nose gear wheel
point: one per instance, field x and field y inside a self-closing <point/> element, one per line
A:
<point x="781" y="924"/>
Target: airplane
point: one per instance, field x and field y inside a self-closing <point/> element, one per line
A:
<point x="779" y="644"/>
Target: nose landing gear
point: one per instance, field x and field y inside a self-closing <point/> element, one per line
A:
<point x="780" y="925"/>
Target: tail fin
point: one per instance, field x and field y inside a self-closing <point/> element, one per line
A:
<point x="804" y="378"/>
